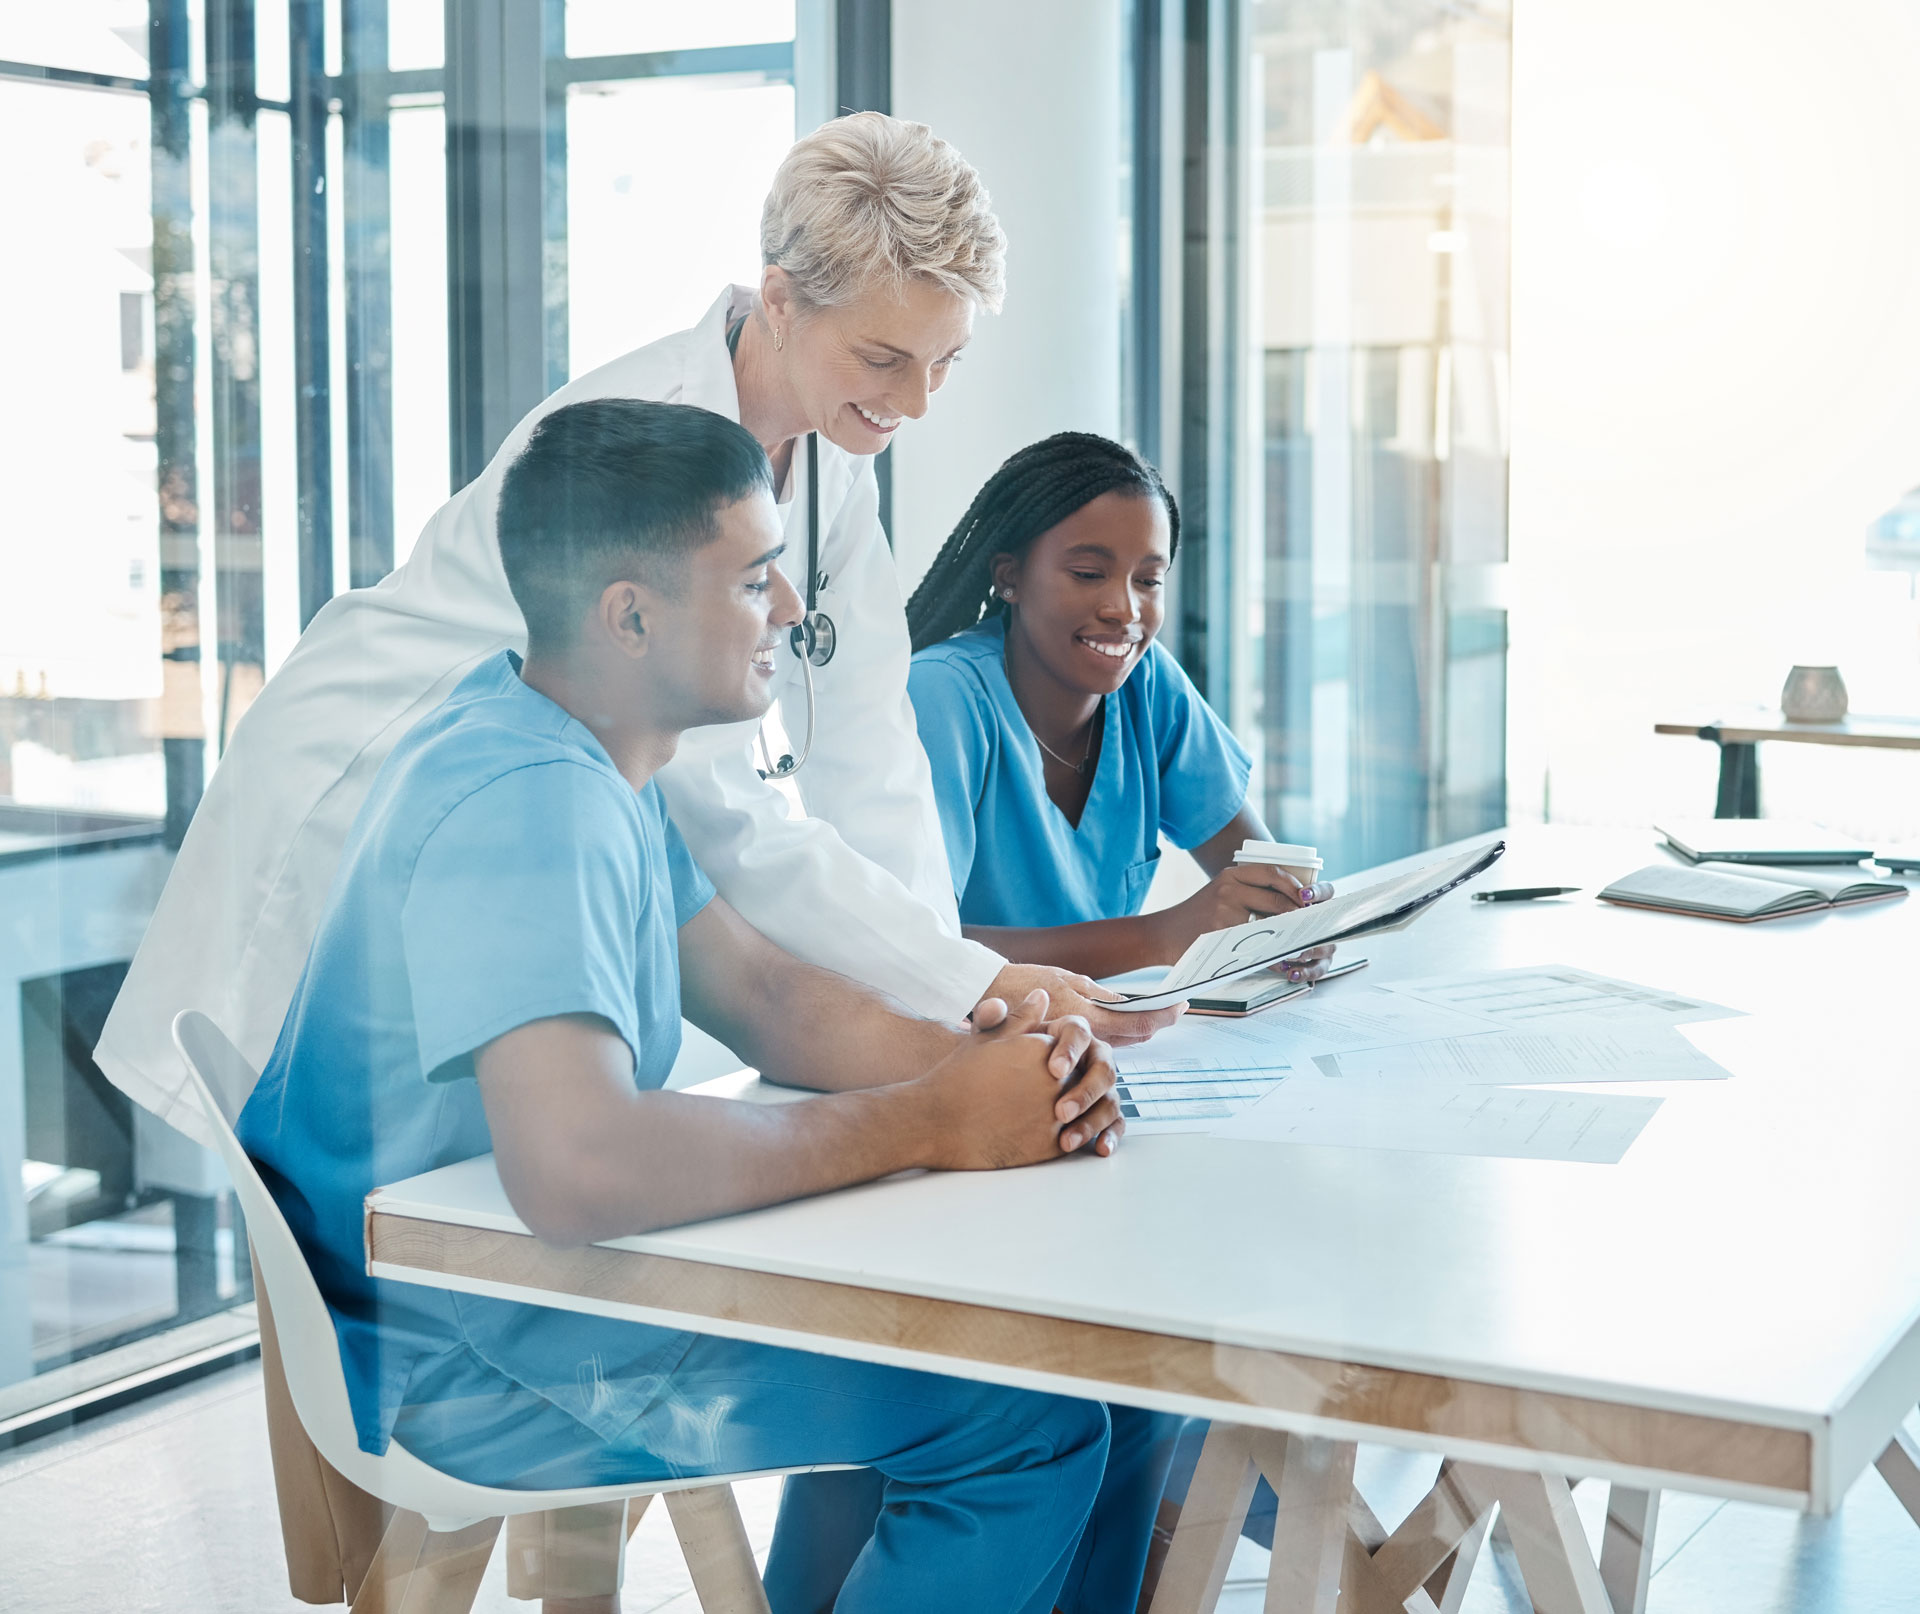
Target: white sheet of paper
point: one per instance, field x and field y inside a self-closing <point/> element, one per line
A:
<point x="1353" y="1016"/>
<point x="1599" y="1054"/>
<point x="1592" y="1128"/>
<point x="1558" y="996"/>
<point x="1366" y="1017"/>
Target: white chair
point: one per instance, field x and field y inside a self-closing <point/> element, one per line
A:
<point x="433" y="1552"/>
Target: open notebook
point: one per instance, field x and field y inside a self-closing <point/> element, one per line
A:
<point x="1227" y="955"/>
<point x="1744" y="893"/>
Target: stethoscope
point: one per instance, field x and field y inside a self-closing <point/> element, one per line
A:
<point x="814" y="637"/>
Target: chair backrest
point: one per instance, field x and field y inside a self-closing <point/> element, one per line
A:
<point x="221" y="1079"/>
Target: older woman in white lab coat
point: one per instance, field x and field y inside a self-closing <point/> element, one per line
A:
<point x="879" y="246"/>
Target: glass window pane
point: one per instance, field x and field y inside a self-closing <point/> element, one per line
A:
<point x="623" y="27"/>
<point x="416" y="34"/>
<point x="270" y="50"/>
<point x="88" y="36"/>
<point x="80" y="615"/>
<point x="87" y="1250"/>
<point x="650" y="243"/>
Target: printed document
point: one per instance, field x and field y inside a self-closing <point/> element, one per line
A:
<point x="1647" y="1054"/>
<point x="1513" y="1123"/>
<point x="1358" y="1017"/>
<point x="1174" y="1101"/>
<point x="1559" y="997"/>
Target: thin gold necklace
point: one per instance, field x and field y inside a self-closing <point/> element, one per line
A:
<point x="1085" y="765"/>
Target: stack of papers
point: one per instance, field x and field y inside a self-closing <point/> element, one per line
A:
<point x="1506" y="1122"/>
<point x="1416" y="1064"/>
<point x="1533" y="1056"/>
<point x="1209" y="1070"/>
<point x="1558" y="995"/>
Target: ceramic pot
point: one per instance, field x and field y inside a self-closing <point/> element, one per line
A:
<point x="1814" y="695"/>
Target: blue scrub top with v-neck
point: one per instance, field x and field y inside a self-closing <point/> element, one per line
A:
<point x="1167" y="765"/>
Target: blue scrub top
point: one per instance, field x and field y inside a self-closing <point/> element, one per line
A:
<point x="500" y="871"/>
<point x="1167" y="764"/>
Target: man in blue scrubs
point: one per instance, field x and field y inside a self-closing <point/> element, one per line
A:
<point x="509" y="943"/>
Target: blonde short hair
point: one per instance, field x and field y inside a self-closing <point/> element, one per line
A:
<point x="868" y="202"/>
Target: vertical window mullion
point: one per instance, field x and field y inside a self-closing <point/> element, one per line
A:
<point x="553" y="278"/>
<point x="496" y="317"/>
<point x="1207" y="338"/>
<point x="233" y="235"/>
<point x="366" y="194"/>
<point x="175" y="428"/>
<point x="312" y="357"/>
<point x="863" y="82"/>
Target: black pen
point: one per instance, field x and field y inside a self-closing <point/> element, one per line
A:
<point x="1524" y="893"/>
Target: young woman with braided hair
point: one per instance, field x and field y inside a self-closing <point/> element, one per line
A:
<point x="1064" y="741"/>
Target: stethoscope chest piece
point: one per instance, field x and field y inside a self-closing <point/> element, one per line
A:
<point x="819" y="636"/>
<point x="814" y="637"/>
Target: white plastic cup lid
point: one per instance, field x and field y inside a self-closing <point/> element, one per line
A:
<point x="1298" y="857"/>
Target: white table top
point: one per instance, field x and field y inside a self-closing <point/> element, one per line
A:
<point x="1755" y="1256"/>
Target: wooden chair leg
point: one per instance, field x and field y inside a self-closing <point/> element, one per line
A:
<point x="718" y="1554"/>
<point x="420" y="1571"/>
<point x="1626" y="1549"/>
<point x="569" y="1552"/>
<point x="1899" y="1466"/>
<point x="329" y="1526"/>
<point x="1210" y="1520"/>
<point x="1548" y="1539"/>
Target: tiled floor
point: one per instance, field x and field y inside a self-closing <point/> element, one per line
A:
<point x="169" y="1507"/>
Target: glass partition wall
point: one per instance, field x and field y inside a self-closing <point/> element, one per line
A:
<point x="1316" y="353"/>
<point x="279" y="275"/>
<point x="1375" y="334"/>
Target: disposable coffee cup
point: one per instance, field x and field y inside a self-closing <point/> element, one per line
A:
<point x="1302" y="862"/>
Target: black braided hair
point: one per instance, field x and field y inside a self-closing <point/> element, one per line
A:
<point x="1036" y="490"/>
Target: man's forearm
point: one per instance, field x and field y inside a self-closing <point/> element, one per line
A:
<point x="671" y="1158"/>
<point x="839" y="1035"/>
<point x="797" y="1023"/>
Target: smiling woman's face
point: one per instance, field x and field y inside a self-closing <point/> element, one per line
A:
<point x="1089" y="594"/>
<point x="858" y="371"/>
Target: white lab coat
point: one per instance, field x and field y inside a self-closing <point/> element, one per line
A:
<point x="861" y="886"/>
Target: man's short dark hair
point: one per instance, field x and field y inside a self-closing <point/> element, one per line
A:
<point x="616" y="488"/>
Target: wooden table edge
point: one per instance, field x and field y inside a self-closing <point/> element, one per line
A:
<point x="1735" y="733"/>
<point x="1521" y="1427"/>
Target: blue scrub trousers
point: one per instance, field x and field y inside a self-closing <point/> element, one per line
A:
<point x="983" y="1494"/>
<point x="826" y="1520"/>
